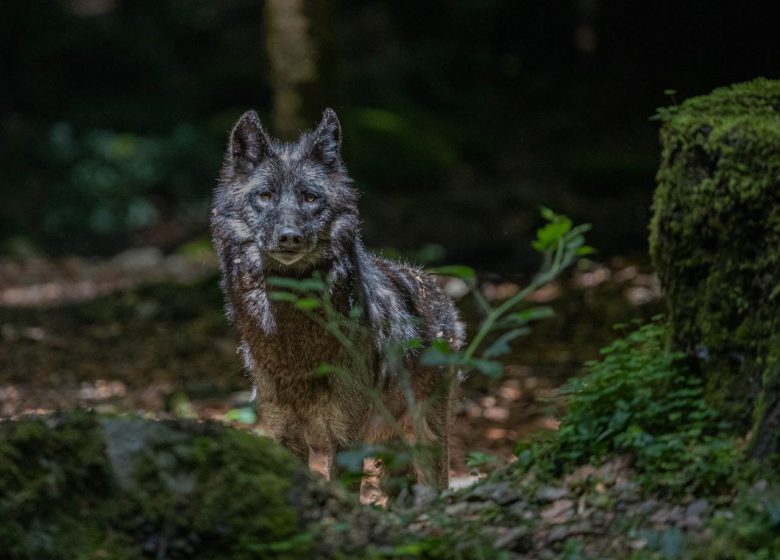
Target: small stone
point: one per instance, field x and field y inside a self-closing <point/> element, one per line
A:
<point x="667" y="516"/>
<point x="466" y="508"/>
<point x="456" y="509"/>
<point x="557" y="534"/>
<point x="698" y="507"/>
<point x="516" y="539"/>
<point x="581" y="528"/>
<point x="694" y="513"/>
<point x="519" y="508"/>
<point x="551" y="493"/>
<point x="423" y="495"/>
<point x="501" y="493"/>
<point x="482" y="491"/>
<point x="559" y="512"/>
<point x="506" y="496"/>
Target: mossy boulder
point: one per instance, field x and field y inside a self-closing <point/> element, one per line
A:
<point x="715" y="241"/>
<point x="87" y="486"/>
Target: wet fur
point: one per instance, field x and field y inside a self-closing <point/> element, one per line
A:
<point x="280" y="345"/>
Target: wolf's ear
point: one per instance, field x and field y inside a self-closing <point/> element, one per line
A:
<point x="326" y="147"/>
<point x="249" y="144"/>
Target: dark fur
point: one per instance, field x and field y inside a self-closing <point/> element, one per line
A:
<point x="280" y="345"/>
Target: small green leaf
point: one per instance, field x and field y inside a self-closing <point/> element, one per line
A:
<point x="501" y="345"/>
<point x="325" y="369"/>
<point x="352" y="459"/>
<point x="307" y="304"/>
<point x="585" y="250"/>
<point x="532" y="314"/>
<point x="282" y="296"/>
<point x="547" y="214"/>
<point x="439" y="354"/>
<point x="457" y="271"/>
<point x="243" y="415"/>
<point x="477" y="458"/>
<point x="491" y="368"/>
<point x="313" y="285"/>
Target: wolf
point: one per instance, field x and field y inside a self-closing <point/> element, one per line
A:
<point x="290" y="210"/>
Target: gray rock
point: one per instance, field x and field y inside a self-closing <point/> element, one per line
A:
<point x="519" y="509"/>
<point x="502" y="493"/>
<point x="424" y="495"/>
<point x="517" y="539"/>
<point x="698" y="507"/>
<point x="551" y="493"/>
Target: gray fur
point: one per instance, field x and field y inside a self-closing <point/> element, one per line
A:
<point x="271" y="195"/>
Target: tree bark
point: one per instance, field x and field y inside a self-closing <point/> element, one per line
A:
<point x="715" y="242"/>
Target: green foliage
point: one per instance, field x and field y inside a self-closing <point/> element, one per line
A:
<point x="426" y="143"/>
<point x="242" y="415"/>
<point x="477" y="459"/>
<point x="560" y="244"/>
<point x="559" y="227"/>
<point x="750" y="531"/>
<point x="640" y="399"/>
<point x="109" y="184"/>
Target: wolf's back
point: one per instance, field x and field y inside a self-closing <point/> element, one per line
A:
<point x="434" y="312"/>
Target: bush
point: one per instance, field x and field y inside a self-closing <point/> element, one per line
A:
<point x="642" y="400"/>
<point x="108" y="185"/>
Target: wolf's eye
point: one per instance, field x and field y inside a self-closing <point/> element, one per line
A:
<point x="309" y="196"/>
<point x="265" y="196"/>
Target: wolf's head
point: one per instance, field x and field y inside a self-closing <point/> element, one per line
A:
<point x="293" y="201"/>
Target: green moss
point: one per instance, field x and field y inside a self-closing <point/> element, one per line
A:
<point x="82" y="486"/>
<point x="46" y="483"/>
<point x="715" y="240"/>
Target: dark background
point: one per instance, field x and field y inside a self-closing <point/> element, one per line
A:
<point x="459" y="117"/>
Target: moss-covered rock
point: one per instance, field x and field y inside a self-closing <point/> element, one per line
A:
<point x="715" y="241"/>
<point x="84" y="486"/>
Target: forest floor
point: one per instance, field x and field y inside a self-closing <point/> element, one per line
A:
<point x="145" y="332"/>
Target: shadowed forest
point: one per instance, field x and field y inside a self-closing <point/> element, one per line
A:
<point x="596" y="186"/>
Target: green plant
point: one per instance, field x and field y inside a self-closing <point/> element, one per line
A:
<point x="641" y="399"/>
<point x="749" y="531"/>
<point x="108" y="185"/>
<point x="477" y="459"/>
<point x="561" y="244"/>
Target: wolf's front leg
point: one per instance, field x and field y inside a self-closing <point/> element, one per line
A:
<point x="285" y="430"/>
<point x="434" y="442"/>
<point x="295" y="444"/>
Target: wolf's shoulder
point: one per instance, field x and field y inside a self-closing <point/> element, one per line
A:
<point x="425" y="299"/>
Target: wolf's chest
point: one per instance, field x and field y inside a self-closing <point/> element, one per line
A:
<point x="300" y="361"/>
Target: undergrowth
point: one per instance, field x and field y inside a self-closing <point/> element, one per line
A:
<point x="642" y="400"/>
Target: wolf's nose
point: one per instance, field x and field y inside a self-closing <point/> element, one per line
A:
<point x="290" y="238"/>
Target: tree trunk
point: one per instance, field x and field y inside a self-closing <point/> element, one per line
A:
<point x="715" y="241"/>
<point x="300" y="40"/>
